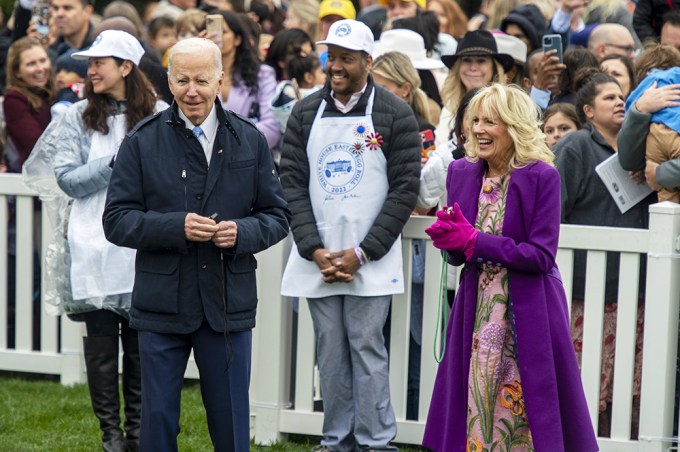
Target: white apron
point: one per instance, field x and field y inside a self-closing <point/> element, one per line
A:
<point x="347" y="187"/>
<point x="98" y="268"/>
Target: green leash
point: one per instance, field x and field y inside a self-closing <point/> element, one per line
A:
<point x="443" y="283"/>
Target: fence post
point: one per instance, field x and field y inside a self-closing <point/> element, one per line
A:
<point x="661" y="328"/>
<point x="72" y="362"/>
<point x="272" y="352"/>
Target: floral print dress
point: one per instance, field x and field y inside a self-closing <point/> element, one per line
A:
<point x="496" y="418"/>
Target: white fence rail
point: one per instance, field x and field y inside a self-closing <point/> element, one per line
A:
<point x="283" y="385"/>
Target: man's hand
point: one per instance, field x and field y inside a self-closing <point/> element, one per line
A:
<point x="226" y="235"/>
<point x="650" y="175"/>
<point x="548" y="71"/>
<point x="654" y="99"/>
<point x="322" y="258"/>
<point x="198" y="228"/>
<point x="346" y="263"/>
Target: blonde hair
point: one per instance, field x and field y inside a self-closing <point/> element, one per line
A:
<point x="190" y="18"/>
<point x="308" y="13"/>
<point x="513" y="107"/>
<point x="454" y="90"/>
<point x="499" y="11"/>
<point x="397" y="67"/>
<point x="605" y="8"/>
<point x="454" y="13"/>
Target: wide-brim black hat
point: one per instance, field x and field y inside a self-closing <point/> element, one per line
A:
<point x="479" y="43"/>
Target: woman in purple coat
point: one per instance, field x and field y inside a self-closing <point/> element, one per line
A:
<point x="509" y="378"/>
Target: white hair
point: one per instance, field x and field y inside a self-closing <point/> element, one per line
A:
<point x="193" y="46"/>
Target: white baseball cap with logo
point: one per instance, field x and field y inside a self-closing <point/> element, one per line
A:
<point x="113" y="43"/>
<point x="350" y="34"/>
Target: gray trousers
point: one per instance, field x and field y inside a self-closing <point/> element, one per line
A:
<point x="353" y="364"/>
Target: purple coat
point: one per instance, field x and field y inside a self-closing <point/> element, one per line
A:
<point x="553" y="394"/>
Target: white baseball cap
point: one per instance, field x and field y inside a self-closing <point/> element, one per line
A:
<point x="409" y="43"/>
<point x="350" y="34"/>
<point x="113" y="43"/>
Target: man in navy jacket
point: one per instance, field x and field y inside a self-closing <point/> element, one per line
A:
<point x="195" y="191"/>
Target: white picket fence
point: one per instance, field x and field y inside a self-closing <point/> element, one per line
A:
<point x="275" y="412"/>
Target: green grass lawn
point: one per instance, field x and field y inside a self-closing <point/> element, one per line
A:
<point x="42" y="415"/>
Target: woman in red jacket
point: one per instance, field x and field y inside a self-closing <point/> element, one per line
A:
<point x="28" y="96"/>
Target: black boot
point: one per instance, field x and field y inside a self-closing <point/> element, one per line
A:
<point x="132" y="388"/>
<point x="101" y="361"/>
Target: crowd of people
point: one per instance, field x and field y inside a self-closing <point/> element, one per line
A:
<point x="166" y="130"/>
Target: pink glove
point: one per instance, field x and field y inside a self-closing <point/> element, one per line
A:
<point x="453" y="232"/>
<point x="443" y="225"/>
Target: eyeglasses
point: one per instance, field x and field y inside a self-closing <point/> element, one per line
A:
<point x="628" y="49"/>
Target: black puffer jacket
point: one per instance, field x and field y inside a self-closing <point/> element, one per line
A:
<point x="394" y="121"/>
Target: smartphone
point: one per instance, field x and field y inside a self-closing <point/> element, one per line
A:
<point x="427" y="138"/>
<point x="41" y="18"/>
<point x="213" y="25"/>
<point x="553" y="42"/>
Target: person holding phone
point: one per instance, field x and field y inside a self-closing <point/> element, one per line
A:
<point x="248" y="84"/>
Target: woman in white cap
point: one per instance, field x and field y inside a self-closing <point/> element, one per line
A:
<point x="81" y="148"/>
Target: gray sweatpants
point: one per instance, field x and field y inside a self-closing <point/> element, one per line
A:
<point x="353" y="364"/>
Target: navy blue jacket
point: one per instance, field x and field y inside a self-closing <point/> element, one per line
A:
<point x="160" y="175"/>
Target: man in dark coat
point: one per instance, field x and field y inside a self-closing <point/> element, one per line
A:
<point x="195" y="191"/>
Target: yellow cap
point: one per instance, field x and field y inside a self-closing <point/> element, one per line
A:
<point x="420" y="3"/>
<point x="342" y="8"/>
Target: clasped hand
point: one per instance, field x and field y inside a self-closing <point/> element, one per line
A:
<point x="198" y="228"/>
<point x="338" y="266"/>
<point x="452" y="231"/>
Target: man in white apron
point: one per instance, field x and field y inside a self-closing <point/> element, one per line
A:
<point x="350" y="170"/>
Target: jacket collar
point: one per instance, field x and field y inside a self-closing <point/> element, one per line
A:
<point x="597" y="136"/>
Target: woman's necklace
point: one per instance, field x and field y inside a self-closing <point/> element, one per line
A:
<point x="489" y="187"/>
